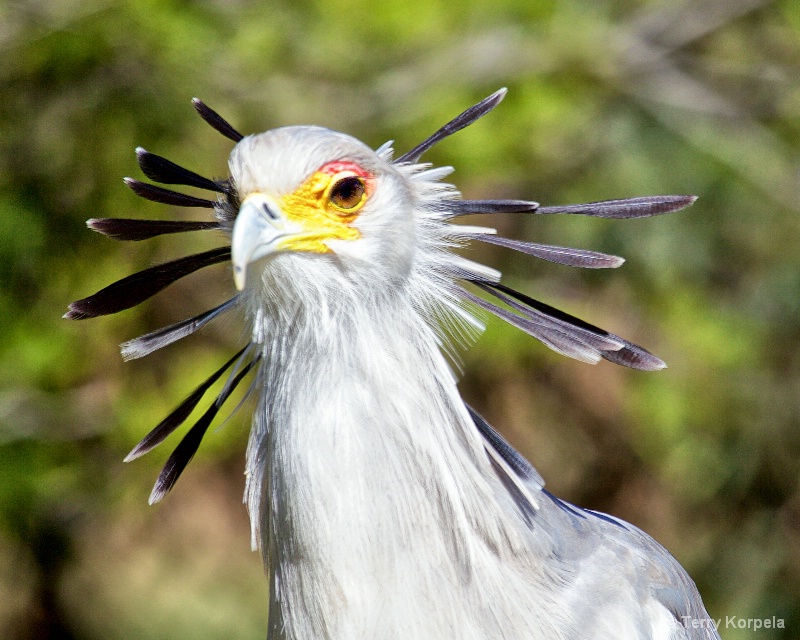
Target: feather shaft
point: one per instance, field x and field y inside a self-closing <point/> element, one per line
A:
<point x="467" y="207"/>
<point x="643" y="207"/>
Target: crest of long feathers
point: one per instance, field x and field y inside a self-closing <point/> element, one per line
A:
<point x="560" y="331"/>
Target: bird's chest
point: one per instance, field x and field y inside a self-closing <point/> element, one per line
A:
<point x="366" y="533"/>
<point x="383" y="511"/>
<point x="361" y="487"/>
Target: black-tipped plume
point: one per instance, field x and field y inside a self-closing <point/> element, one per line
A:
<point x="178" y="416"/>
<point x="165" y="171"/>
<point x="166" y="196"/>
<point x="563" y="332"/>
<point x="146" y="344"/>
<point x="560" y="255"/>
<point x="627" y="208"/>
<point x="137" y="288"/>
<point x="131" y="229"/>
<point x="215" y="120"/>
<point x="188" y="446"/>
<point x="456" y="124"/>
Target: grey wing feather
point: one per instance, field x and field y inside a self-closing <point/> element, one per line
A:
<point x="518" y="464"/>
<point x="582" y="534"/>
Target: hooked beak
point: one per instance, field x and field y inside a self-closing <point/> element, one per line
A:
<point x="257" y="232"/>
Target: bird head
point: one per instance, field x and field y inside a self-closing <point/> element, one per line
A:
<point x="319" y="205"/>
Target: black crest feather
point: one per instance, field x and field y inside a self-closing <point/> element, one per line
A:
<point x="165" y="171"/>
<point x="132" y="229"/>
<point x="146" y="344"/>
<point x="560" y="255"/>
<point x="456" y="124"/>
<point x="166" y="196"/>
<point x="643" y="207"/>
<point x="563" y="332"/>
<point x="188" y="446"/>
<point x="137" y="288"/>
<point x="215" y="120"/>
<point x="178" y="415"/>
<point x="467" y="207"/>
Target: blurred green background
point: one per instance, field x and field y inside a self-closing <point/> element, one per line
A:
<point x="606" y="100"/>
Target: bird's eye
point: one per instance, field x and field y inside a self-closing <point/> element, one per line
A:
<point x="347" y="193"/>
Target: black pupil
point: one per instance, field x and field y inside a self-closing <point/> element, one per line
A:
<point x="348" y="192"/>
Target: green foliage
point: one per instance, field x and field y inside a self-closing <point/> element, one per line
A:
<point x="605" y="100"/>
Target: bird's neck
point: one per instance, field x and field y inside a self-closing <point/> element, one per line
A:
<point x="363" y="466"/>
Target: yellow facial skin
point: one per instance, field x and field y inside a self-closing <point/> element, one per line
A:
<point x="324" y="206"/>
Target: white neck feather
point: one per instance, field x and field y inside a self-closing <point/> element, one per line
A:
<point x="366" y="477"/>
